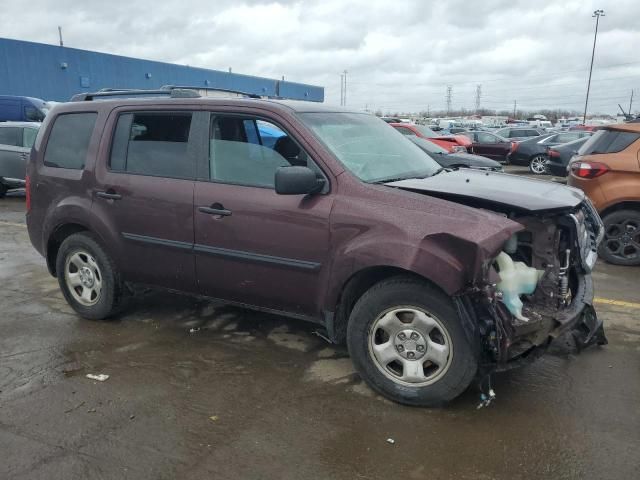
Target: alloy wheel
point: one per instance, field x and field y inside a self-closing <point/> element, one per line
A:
<point x="538" y="164"/>
<point x="622" y="239"/>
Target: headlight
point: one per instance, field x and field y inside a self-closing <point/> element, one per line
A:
<point x="459" y="149"/>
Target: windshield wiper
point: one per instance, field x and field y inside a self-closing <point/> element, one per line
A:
<point x="412" y="177"/>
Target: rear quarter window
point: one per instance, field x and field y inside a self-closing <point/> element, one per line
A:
<point x="69" y="140"/>
<point x="608" y="141"/>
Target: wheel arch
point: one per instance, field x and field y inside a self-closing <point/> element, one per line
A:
<point x="55" y="239"/>
<point x="357" y="284"/>
<point x="627" y="205"/>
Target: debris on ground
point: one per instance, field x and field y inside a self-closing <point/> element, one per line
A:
<point x="391" y="441"/>
<point x="100" y="377"/>
<point x="213" y="418"/>
<point x="74" y="408"/>
<point x="486" y="399"/>
<point x="194" y="330"/>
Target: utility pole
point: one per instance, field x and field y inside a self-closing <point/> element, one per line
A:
<point x="596" y="14"/>
<point x="631" y="102"/>
<point x="342" y="89"/>
<point x="449" y="92"/>
<point x="515" y="105"/>
<point x="478" y="96"/>
<point x="345" y="88"/>
<point x="60" y="35"/>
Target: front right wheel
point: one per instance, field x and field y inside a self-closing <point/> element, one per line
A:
<point x="407" y="342"/>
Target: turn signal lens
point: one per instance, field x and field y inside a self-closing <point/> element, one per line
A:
<point x="553" y="153"/>
<point x="588" y="169"/>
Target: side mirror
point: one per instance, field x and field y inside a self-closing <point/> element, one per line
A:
<point x="297" y="181"/>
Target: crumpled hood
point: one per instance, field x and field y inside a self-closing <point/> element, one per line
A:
<point x="477" y="189"/>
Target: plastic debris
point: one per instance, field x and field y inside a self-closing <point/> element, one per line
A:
<point x="391" y="441"/>
<point x="486" y="399"/>
<point x="194" y="330"/>
<point x="100" y="377"/>
<point x="213" y="418"/>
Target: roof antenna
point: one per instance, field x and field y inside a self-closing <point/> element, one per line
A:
<point x="60" y="35"/>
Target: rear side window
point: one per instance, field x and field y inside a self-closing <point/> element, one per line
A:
<point x="29" y="137"/>
<point x="608" y="141"/>
<point x="69" y="140"/>
<point x="32" y="114"/>
<point x="10" y="136"/>
<point x="154" y="144"/>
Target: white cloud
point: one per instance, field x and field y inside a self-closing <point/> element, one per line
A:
<point x="400" y="55"/>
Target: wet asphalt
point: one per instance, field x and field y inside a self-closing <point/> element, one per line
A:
<point x="202" y="390"/>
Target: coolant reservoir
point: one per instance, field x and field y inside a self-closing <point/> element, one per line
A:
<point x="516" y="279"/>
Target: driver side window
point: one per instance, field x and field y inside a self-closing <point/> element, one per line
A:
<point x="248" y="151"/>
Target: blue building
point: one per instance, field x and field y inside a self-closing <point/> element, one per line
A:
<point x="56" y="73"/>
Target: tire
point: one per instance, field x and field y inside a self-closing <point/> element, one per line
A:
<point x="82" y="266"/>
<point x="3" y="190"/>
<point x="537" y="164"/>
<point x="621" y="243"/>
<point x="402" y="297"/>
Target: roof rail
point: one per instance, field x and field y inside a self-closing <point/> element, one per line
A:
<point x="107" y="93"/>
<point x="211" y="89"/>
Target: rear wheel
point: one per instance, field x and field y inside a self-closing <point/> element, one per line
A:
<point x="88" y="278"/>
<point x="538" y="164"/>
<point x="406" y="341"/>
<point x="621" y="244"/>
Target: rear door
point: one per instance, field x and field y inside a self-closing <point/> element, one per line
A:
<point x="144" y="193"/>
<point x="13" y="155"/>
<point x="252" y="245"/>
<point x="488" y="145"/>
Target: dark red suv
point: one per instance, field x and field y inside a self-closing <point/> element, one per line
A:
<point x="339" y="221"/>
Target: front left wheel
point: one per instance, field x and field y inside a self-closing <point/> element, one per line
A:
<point x="407" y="342"/>
<point x="88" y="277"/>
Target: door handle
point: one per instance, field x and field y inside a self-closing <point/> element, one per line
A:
<point x="109" y="195"/>
<point x="215" y="209"/>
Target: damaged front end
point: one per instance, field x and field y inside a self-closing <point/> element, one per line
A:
<point x="537" y="289"/>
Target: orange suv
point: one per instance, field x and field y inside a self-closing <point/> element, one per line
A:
<point x="607" y="168"/>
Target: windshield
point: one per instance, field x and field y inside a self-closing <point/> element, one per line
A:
<point x="369" y="148"/>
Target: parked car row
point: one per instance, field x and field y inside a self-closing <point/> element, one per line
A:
<point x="532" y="152"/>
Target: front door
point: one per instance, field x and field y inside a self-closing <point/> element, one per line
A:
<point x="252" y="245"/>
<point x="145" y="192"/>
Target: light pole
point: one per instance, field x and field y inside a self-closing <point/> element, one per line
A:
<point x="597" y="14"/>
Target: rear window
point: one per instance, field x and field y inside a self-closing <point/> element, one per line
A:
<point x="69" y="140"/>
<point x="608" y="141"/>
<point x="154" y="144"/>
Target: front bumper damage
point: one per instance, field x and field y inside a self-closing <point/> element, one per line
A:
<point x="506" y="339"/>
